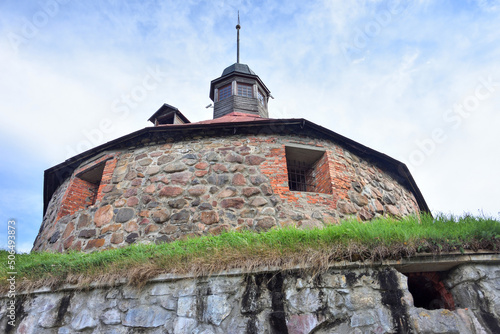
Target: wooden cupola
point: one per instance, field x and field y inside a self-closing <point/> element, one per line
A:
<point x="239" y="89"/>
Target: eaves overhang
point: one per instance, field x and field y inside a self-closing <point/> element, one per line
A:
<point x="55" y="176"/>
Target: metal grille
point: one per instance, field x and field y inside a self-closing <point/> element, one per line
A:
<point x="299" y="176"/>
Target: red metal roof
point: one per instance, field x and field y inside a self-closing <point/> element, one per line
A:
<point x="233" y="117"/>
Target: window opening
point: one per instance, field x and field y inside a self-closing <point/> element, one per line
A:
<point x="224" y="92"/>
<point x="429" y="292"/>
<point x="91" y="180"/>
<point x="308" y="170"/>
<point x="245" y="90"/>
<point x="299" y="176"/>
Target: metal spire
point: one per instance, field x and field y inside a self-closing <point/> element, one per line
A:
<point x="238" y="40"/>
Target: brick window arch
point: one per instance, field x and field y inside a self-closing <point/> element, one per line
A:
<point x="86" y="184"/>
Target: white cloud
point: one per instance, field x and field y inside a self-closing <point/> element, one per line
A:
<point x="489" y="5"/>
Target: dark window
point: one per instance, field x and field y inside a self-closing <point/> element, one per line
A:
<point x="245" y="90"/>
<point x="308" y="170"/>
<point x="429" y="292"/>
<point x="224" y="92"/>
<point x="299" y="175"/>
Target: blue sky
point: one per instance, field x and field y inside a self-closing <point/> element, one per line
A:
<point x="417" y="80"/>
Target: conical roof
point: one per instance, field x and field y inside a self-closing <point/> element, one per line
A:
<point x="238" y="67"/>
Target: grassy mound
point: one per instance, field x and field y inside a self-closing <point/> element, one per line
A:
<point x="285" y="248"/>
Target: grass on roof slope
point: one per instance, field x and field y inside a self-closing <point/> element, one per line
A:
<point x="288" y="247"/>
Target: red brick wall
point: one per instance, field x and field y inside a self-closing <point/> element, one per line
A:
<point x="80" y="193"/>
<point x="321" y="175"/>
<point x="275" y="168"/>
<point x="107" y="175"/>
<point x="341" y="180"/>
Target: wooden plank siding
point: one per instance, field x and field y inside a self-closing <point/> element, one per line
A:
<point x="236" y="103"/>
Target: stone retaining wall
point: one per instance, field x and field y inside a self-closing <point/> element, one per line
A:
<point x="338" y="301"/>
<point x="206" y="185"/>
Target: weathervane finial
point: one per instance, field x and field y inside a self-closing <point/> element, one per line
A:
<point x="238" y="39"/>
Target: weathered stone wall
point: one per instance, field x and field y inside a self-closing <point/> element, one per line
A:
<point x="338" y="301"/>
<point x="50" y="223"/>
<point x="205" y="185"/>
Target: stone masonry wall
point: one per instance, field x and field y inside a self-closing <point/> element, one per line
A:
<point x="365" y="300"/>
<point x="206" y="185"/>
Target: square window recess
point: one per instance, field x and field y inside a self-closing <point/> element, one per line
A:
<point x="92" y="178"/>
<point x="428" y="290"/>
<point x="307" y="169"/>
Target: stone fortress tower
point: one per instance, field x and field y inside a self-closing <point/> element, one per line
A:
<point x="244" y="170"/>
<point x="239" y="170"/>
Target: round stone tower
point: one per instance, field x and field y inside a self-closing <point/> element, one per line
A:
<point x="239" y="170"/>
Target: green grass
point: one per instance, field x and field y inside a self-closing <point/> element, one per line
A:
<point x="288" y="247"/>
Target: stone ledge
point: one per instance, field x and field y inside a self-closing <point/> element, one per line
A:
<point x="421" y="263"/>
<point x="431" y="262"/>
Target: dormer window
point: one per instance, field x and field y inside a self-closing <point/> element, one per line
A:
<point x="168" y="114"/>
<point x="224" y="92"/>
<point x="244" y="90"/>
